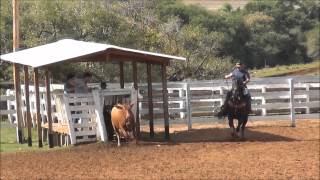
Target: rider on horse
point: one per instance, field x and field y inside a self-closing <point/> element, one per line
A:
<point x="240" y="74"/>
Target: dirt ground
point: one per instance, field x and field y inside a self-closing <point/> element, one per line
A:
<point x="272" y="150"/>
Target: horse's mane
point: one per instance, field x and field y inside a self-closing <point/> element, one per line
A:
<point x="237" y="101"/>
<point x="237" y="90"/>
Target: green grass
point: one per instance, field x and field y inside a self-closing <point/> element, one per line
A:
<point x="216" y="4"/>
<point x="294" y="69"/>
<point x="9" y="143"/>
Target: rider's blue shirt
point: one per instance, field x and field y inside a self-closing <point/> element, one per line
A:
<point x="240" y="74"/>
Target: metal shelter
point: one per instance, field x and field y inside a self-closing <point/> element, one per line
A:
<point x="69" y="50"/>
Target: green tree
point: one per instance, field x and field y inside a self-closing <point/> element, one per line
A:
<point x="313" y="42"/>
<point x="264" y="32"/>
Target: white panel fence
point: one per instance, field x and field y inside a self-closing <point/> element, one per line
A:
<point x="78" y="117"/>
<point x="189" y="101"/>
<point x="272" y="98"/>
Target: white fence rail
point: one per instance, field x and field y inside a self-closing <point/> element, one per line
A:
<point x="78" y="116"/>
<point x="195" y="101"/>
<point x="272" y="98"/>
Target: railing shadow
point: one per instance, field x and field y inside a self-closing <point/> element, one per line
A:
<point x="211" y="135"/>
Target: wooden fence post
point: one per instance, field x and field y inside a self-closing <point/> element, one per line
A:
<point x="17" y="87"/>
<point x="49" y="108"/>
<point x="307" y="97"/>
<point x="27" y="95"/>
<point x="292" y="110"/>
<point x="263" y="101"/>
<point x="188" y="108"/>
<point x="70" y="120"/>
<point x="121" y="75"/>
<point x="221" y="91"/>
<point x="135" y="85"/>
<point x="134" y="99"/>
<point x="182" y="103"/>
<point x="150" y="102"/>
<point x="36" y="89"/>
<point x="165" y="101"/>
<point x="99" y="115"/>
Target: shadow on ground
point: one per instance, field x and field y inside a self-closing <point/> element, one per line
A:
<point x="213" y="135"/>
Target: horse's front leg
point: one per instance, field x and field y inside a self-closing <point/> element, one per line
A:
<point x="231" y="125"/>
<point x="240" y="122"/>
<point x="243" y="126"/>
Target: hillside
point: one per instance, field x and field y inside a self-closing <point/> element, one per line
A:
<point x="289" y="70"/>
<point x="216" y="4"/>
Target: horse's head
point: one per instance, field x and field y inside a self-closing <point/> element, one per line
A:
<point x="237" y="90"/>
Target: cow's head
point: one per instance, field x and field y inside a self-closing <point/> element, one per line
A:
<point x="129" y="117"/>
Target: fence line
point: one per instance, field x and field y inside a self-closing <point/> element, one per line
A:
<point x="272" y="98"/>
<point x="192" y="101"/>
<point x="77" y="118"/>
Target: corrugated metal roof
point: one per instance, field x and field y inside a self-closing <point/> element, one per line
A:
<point x="65" y="50"/>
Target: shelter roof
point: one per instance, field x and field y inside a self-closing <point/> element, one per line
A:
<point x="67" y="50"/>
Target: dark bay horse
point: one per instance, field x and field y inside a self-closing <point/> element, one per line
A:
<point x="236" y="107"/>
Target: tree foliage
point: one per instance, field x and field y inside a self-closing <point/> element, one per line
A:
<point x="262" y="33"/>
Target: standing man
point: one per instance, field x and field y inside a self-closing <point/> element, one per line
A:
<point x="81" y="84"/>
<point x="69" y="86"/>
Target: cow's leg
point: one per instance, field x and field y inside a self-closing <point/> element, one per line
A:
<point x="118" y="135"/>
<point x="125" y="133"/>
<point x="118" y="138"/>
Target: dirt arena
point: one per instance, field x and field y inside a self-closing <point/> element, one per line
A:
<point x="271" y="150"/>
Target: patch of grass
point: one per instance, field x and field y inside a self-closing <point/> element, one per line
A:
<point x="294" y="69"/>
<point x="8" y="140"/>
<point x="216" y="4"/>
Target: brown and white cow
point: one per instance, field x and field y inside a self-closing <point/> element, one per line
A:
<point x="123" y="121"/>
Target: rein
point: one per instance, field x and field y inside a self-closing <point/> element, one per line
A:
<point x="227" y="84"/>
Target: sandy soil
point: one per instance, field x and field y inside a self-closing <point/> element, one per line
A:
<point x="272" y="150"/>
